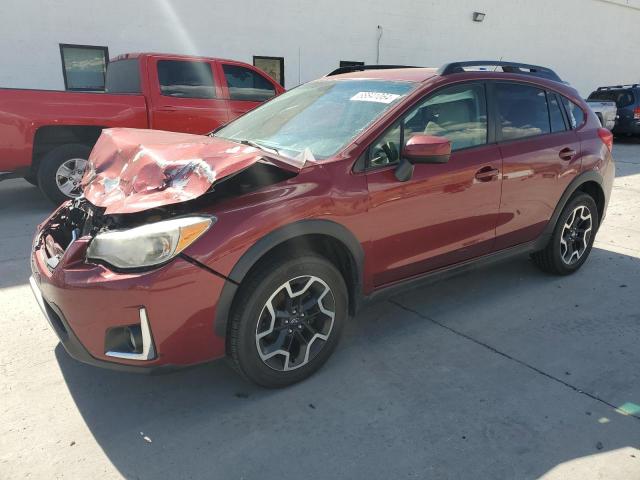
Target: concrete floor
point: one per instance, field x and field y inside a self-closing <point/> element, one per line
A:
<point x="504" y="373"/>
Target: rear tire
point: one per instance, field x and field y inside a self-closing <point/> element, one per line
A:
<point x="572" y="238"/>
<point x="52" y="172"/>
<point x="277" y="339"/>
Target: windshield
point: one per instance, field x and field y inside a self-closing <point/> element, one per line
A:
<point x="622" y="98"/>
<point x="317" y="119"/>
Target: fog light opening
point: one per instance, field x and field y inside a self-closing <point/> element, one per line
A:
<point x="135" y="338"/>
<point x="131" y="342"/>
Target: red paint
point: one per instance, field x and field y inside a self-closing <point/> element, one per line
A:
<point x="25" y="112"/>
<point x="484" y="199"/>
<point x="134" y="170"/>
<point x="178" y="291"/>
<point x="419" y="146"/>
<point x="607" y="137"/>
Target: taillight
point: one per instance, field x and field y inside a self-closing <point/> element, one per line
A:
<point x="636" y="113"/>
<point x="607" y="137"/>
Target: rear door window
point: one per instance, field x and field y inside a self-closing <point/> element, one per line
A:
<point x="522" y="111"/>
<point x="246" y="84"/>
<point x="556" y="116"/>
<point x="186" y="79"/>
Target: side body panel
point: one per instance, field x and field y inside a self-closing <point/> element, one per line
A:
<point x="23" y="112"/>
<point x="443" y="215"/>
<point x="534" y="178"/>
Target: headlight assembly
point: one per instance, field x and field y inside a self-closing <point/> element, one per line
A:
<point x="148" y="245"/>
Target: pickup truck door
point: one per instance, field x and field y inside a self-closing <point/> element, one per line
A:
<point x="186" y="96"/>
<point x="245" y="87"/>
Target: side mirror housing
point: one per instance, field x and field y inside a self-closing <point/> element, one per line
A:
<point x="427" y="149"/>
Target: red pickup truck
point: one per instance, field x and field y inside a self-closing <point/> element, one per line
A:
<point x="46" y="136"/>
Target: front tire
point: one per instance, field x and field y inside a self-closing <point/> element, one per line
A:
<point x="61" y="171"/>
<point x="287" y="319"/>
<point x="572" y="238"/>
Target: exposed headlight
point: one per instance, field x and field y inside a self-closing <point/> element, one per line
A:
<point x="148" y="245"/>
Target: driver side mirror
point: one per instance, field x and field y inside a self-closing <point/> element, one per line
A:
<point x="422" y="149"/>
<point x="427" y="149"/>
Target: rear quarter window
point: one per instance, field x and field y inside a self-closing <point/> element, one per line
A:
<point x="576" y="115"/>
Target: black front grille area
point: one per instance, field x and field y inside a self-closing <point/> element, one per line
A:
<point x="56" y="321"/>
<point x="68" y="224"/>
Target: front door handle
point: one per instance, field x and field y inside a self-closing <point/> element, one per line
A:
<point x="486" y="174"/>
<point x="567" y="153"/>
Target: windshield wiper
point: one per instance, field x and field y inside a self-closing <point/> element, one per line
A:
<point x="251" y="143"/>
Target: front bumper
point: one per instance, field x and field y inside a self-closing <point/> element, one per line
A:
<point x="82" y="301"/>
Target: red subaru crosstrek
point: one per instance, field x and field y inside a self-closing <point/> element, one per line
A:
<point x="258" y="241"/>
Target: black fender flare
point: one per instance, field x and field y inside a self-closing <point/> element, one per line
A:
<point x="576" y="183"/>
<point x="288" y="232"/>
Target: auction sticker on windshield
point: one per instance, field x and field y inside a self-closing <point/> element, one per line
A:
<point x="379" y="97"/>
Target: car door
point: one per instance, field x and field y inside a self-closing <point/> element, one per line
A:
<point x="541" y="156"/>
<point x="186" y="97"/>
<point x="245" y="88"/>
<point x="446" y="213"/>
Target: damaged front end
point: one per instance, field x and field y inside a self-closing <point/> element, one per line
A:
<point x="133" y="170"/>
<point x="143" y="192"/>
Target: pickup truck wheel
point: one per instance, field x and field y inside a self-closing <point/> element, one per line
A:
<point x="287" y="319"/>
<point x="61" y="171"/>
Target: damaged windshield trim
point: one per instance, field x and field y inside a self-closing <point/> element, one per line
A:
<point x="253" y="143"/>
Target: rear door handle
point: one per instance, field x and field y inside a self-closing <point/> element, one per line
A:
<point x="486" y="174"/>
<point x="167" y="108"/>
<point x="567" y="153"/>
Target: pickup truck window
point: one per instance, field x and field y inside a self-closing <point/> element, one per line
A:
<point x="123" y="76"/>
<point x="186" y="79"/>
<point x="245" y="84"/>
<point x="623" y="98"/>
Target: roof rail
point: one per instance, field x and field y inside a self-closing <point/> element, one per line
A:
<point x="361" y="68"/>
<point x="507" y="67"/>
<point x="615" y="87"/>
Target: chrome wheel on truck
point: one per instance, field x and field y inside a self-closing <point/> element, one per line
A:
<point x="60" y="172"/>
<point x="69" y="175"/>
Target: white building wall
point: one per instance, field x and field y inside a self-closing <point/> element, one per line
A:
<point x="588" y="42"/>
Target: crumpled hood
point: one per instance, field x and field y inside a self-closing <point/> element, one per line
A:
<point x="131" y="170"/>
